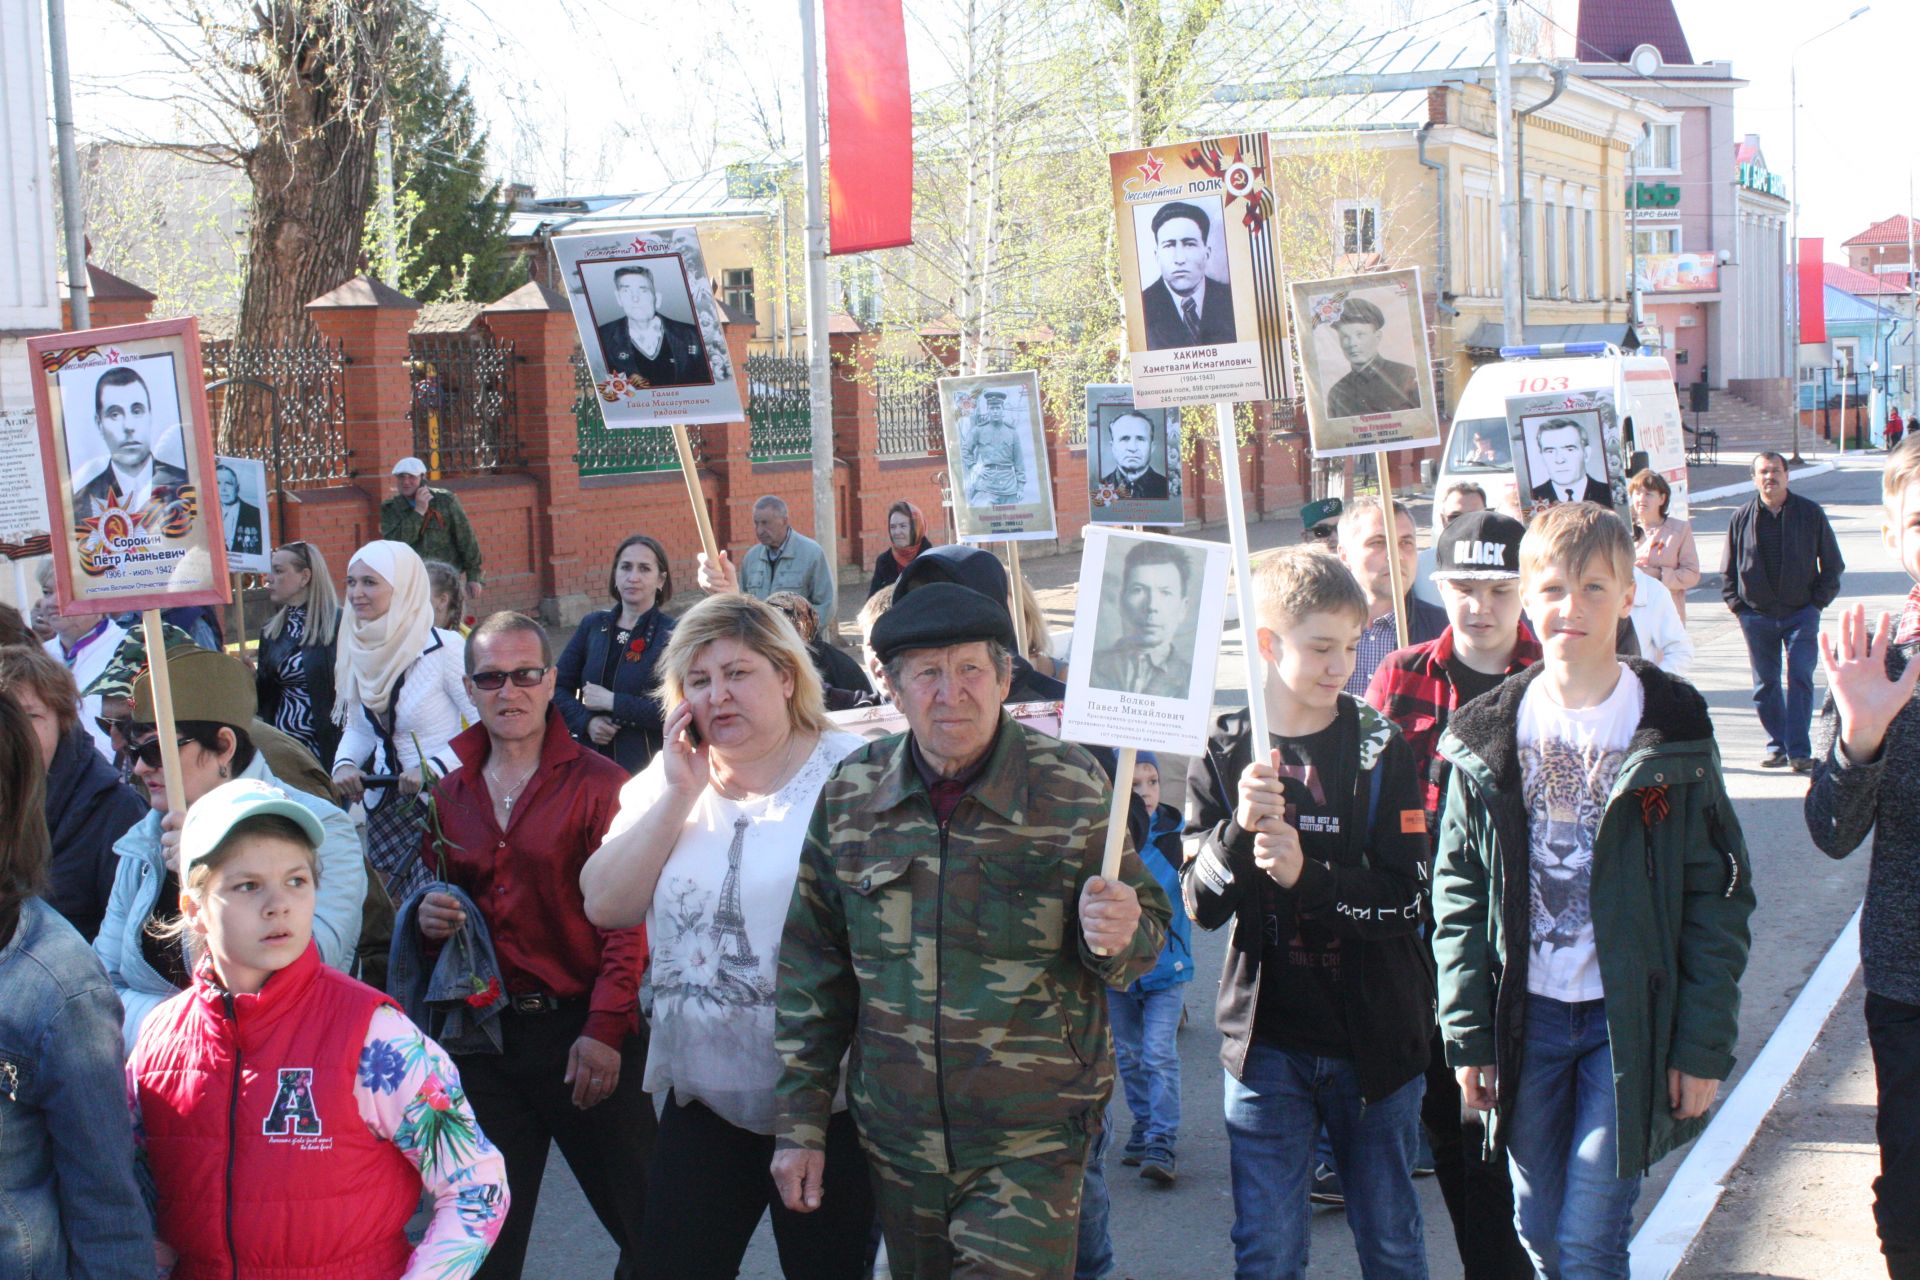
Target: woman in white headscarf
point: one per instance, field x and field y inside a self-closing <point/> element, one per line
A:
<point x="399" y="696"/>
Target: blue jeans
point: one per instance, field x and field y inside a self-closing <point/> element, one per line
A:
<point x="1095" y="1256"/>
<point x="1571" y="1206"/>
<point x="1145" y="1024"/>
<point x="1789" y="720"/>
<point x="1273" y="1113"/>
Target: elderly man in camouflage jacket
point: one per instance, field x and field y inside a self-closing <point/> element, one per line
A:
<point x="950" y="927"/>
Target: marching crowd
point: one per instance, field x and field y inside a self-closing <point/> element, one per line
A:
<point x="440" y="898"/>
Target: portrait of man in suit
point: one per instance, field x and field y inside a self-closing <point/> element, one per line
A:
<point x="1373" y="383"/>
<point x="1155" y="587"/>
<point x="646" y="345"/>
<point x="240" y="518"/>
<point x="1562" y="445"/>
<point x="124" y="414"/>
<point x="1185" y="307"/>
<point x="1129" y="448"/>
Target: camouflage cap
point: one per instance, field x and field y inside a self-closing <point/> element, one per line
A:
<point x="206" y="686"/>
<point x="129" y="660"/>
<point x="941" y="614"/>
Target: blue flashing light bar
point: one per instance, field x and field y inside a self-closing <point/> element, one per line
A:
<point x="1557" y="349"/>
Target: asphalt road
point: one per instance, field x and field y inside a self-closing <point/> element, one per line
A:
<point x="1804" y="899"/>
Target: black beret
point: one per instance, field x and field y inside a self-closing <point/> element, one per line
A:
<point x="937" y="615"/>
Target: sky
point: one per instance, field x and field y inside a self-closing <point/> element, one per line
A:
<point x="582" y="96"/>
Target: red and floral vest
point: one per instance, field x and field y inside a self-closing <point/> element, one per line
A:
<point x="263" y="1164"/>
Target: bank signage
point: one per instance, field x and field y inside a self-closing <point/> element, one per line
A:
<point x="1653" y="195"/>
<point x="1755" y="177"/>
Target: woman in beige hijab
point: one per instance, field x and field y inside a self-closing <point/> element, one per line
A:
<point x="400" y="697"/>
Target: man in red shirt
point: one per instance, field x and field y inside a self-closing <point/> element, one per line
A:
<point x="521" y="815"/>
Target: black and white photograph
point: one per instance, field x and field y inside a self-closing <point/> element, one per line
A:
<point x="1146" y="640"/>
<point x="996" y="457"/>
<point x="123" y="439"/>
<point x="127" y="467"/>
<point x="1363" y="347"/>
<point x="645" y="322"/>
<point x="649" y="326"/>
<point x="241" y="487"/>
<point x="1185" y="292"/>
<point x="1559" y="450"/>
<point x="1133" y="460"/>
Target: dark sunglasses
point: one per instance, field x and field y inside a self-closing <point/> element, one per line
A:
<point x="148" y="752"/>
<point x="1323" y="532"/>
<point x="123" y="726"/>
<point x="523" y="678"/>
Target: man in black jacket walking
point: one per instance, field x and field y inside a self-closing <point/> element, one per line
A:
<point x="1782" y="568"/>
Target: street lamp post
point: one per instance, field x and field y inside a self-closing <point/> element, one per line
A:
<point x="1793" y="275"/>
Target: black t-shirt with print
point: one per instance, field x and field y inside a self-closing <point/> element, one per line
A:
<point x="1300" y="1006"/>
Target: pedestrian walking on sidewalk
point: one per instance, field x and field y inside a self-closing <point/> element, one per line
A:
<point x="1869" y="735"/>
<point x="1782" y="567"/>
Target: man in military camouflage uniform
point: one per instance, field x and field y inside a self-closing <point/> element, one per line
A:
<point x="950" y="927"/>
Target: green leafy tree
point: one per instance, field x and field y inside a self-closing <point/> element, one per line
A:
<point x="450" y="221"/>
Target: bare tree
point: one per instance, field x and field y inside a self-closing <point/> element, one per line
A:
<point x="291" y="89"/>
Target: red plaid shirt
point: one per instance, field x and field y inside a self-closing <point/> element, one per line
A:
<point x="1414" y="689"/>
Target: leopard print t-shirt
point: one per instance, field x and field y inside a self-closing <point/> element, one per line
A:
<point x="1569" y="761"/>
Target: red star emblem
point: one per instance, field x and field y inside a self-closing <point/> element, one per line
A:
<point x="1151" y="169"/>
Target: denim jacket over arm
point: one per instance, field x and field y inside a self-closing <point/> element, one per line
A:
<point x="69" y="1202"/>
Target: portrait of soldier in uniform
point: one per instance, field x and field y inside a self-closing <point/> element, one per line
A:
<point x="1152" y="599"/>
<point x="1373" y="384"/>
<point x="645" y="344"/>
<point x="993" y="454"/>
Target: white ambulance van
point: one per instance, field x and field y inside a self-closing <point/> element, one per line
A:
<point x="1647" y="410"/>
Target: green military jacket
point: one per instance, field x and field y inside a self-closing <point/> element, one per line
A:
<point x="443" y="534"/>
<point x="946" y="966"/>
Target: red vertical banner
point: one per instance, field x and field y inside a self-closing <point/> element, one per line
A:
<point x="1813" y="289"/>
<point x="869" y="127"/>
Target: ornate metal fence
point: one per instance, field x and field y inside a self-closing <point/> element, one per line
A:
<point x="909" y="411"/>
<point x="282" y="405"/>
<point x="779" y="408"/>
<point x="606" y="451"/>
<point x="462" y="403"/>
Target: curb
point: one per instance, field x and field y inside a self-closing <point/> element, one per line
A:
<point x="1662" y="1242"/>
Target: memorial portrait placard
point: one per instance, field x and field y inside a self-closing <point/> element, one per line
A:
<point x="25" y="531"/>
<point x="1562" y="450"/>
<point x="240" y="487"/>
<point x="1200" y="271"/>
<point x="649" y="326"/>
<point x="1146" y="641"/>
<point x="997" y="469"/>
<point x="1365" y="364"/>
<point x="1134" y="472"/>
<point x="127" y="467"/>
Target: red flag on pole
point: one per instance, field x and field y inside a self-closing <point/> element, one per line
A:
<point x="1813" y="289"/>
<point x="869" y="126"/>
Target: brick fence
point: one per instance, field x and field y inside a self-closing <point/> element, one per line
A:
<point x="548" y="533"/>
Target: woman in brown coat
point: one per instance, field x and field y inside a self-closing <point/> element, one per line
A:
<point x="1662" y="545"/>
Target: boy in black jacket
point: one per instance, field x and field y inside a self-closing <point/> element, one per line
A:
<point x="1316" y="850"/>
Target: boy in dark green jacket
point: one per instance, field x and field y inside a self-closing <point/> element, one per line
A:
<point x="1591" y="899"/>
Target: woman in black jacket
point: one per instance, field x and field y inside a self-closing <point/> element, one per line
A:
<point x="906" y="538"/>
<point x="293" y="675"/>
<point x="605" y="686"/>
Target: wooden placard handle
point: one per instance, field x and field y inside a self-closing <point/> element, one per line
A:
<point x="1014" y="583"/>
<point x="163" y="721"/>
<point x="694" y="493"/>
<point x="1390" y="526"/>
<point x="1117" y="820"/>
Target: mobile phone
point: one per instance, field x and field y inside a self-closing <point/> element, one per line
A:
<point x="692" y="731"/>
